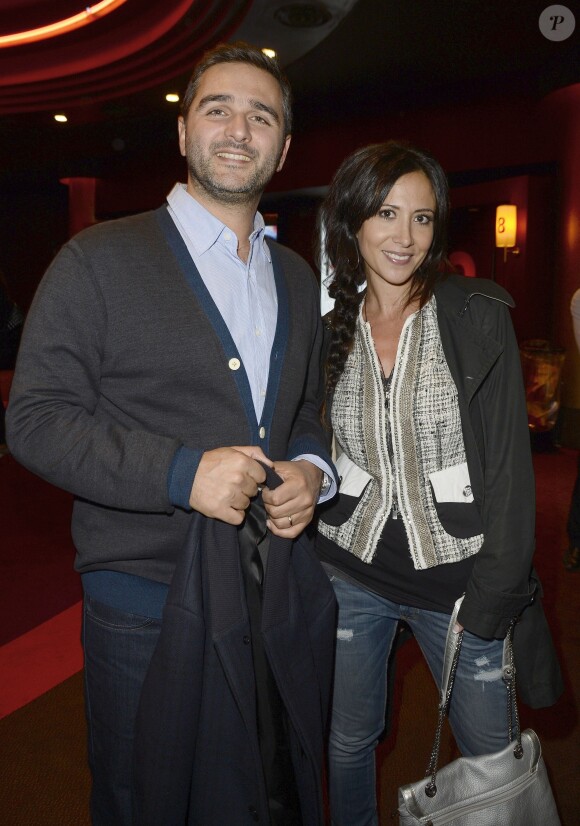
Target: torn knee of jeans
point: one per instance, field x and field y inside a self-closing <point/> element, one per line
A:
<point x="344" y="634"/>
<point x="486" y="674"/>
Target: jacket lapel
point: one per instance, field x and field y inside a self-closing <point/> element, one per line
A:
<point x="472" y="353"/>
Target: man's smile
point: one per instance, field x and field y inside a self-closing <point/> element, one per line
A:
<point x="232" y="156"/>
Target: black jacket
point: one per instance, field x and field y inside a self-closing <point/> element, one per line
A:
<point x="483" y="357"/>
<point x="197" y="756"/>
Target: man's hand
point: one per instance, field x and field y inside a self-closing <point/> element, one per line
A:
<point x="290" y="506"/>
<point x="226" y="479"/>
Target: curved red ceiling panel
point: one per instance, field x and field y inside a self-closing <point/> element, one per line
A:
<point x="129" y="50"/>
<point x="17" y="15"/>
<point x="85" y="17"/>
<point x="106" y="40"/>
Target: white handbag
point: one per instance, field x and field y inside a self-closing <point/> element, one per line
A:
<point x="506" y="788"/>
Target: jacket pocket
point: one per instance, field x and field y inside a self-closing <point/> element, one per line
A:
<point x="454" y="501"/>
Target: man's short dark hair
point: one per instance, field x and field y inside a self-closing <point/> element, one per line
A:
<point x="240" y="52"/>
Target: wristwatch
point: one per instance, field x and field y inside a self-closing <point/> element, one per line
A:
<point x="325" y="485"/>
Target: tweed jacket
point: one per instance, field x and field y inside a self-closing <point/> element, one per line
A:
<point x="125" y="359"/>
<point x="423" y="427"/>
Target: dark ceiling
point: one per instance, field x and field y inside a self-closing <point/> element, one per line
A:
<point x="368" y="56"/>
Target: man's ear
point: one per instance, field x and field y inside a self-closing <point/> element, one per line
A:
<point x="181" y="133"/>
<point x="284" y="152"/>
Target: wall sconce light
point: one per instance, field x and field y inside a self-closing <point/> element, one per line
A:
<point x="506" y="221"/>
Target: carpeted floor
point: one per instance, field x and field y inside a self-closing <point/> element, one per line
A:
<point x="43" y="776"/>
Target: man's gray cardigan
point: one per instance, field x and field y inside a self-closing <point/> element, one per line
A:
<point x="125" y="361"/>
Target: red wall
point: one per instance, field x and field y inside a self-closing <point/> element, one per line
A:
<point x="492" y="134"/>
<point x="517" y="135"/>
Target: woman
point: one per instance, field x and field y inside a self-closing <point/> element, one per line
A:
<point x="425" y="398"/>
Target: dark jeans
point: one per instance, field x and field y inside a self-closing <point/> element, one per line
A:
<point x="118" y="647"/>
<point x="574" y="513"/>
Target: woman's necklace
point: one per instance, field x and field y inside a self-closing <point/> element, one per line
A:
<point x="387" y="380"/>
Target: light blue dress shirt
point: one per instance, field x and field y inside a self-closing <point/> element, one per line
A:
<point x="243" y="291"/>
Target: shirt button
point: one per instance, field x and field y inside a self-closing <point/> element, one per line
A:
<point x="227" y="236"/>
<point x="258" y="332"/>
<point x="246" y="640"/>
<point x="467" y="491"/>
<point x="262" y="432"/>
<point x="234" y="364"/>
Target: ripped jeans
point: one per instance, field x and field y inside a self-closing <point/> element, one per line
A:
<point x="367" y="624"/>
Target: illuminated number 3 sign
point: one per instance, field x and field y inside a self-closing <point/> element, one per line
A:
<point x="505" y="226"/>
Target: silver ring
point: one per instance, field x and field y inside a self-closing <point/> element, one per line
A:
<point x="290" y="520"/>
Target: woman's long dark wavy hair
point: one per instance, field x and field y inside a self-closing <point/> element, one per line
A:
<point x="357" y="192"/>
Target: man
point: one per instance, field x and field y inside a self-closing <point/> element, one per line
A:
<point x="170" y="359"/>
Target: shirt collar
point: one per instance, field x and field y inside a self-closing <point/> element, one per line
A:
<point x="204" y="229"/>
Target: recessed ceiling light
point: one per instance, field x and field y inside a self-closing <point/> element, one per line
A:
<point x="172" y="98"/>
<point x="269" y="53"/>
<point x="61" y="118"/>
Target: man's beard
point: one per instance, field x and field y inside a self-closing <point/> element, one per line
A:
<point x="199" y="164"/>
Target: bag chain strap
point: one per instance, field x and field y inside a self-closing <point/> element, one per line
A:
<point x="509" y="676"/>
<point x="509" y="673"/>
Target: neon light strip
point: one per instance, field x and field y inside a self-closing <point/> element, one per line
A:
<point x="89" y="15"/>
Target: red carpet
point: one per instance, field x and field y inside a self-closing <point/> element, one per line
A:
<point x="36" y="551"/>
<point x="39" y="590"/>
<point x="40" y="659"/>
